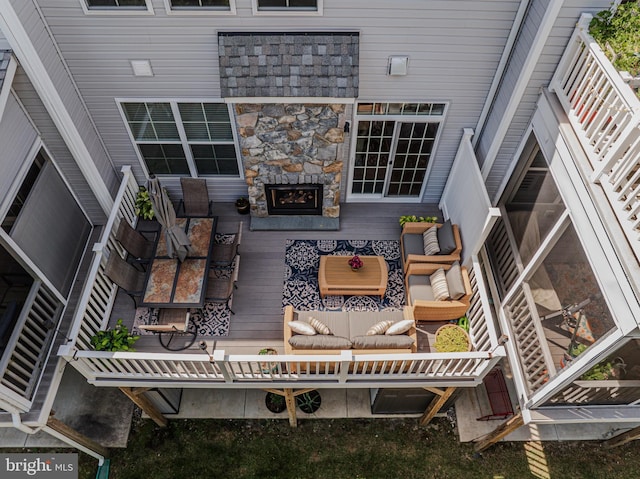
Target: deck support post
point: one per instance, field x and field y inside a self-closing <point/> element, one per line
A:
<point x="140" y="400"/>
<point x="622" y="439"/>
<point x="436" y="404"/>
<point x="500" y="432"/>
<point x="75" y="436"/>
<point x="290" y="400"/>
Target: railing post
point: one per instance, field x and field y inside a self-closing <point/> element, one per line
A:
<point x="346" y="358"/>
<point x="221" y="362"/>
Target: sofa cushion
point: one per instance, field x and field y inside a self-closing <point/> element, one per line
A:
<point x="446" y="240"/>
<point x="361" y="321"/>
<point x="319" y="341"/>
<point x="301" y="328"/>
<point x="379" y="328"/>
<point x="401" y="341"/>
<point x="439" y="285"/>
<point x="420" y="287"/>
<point x="412" y="243"/>
<point x="400" y="327"/>
<point x="430" y="241"/>
<point x="455" y="281"/>
<point x="318" y="325"/>
<point x="336" y="321"/>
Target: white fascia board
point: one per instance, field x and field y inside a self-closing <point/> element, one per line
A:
<point x="6" y="84"/>
<point x="585" y="414"/>
<point x="38" y="75"/>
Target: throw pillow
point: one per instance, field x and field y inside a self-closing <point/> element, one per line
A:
<point x="318" y="325"/>
<point x="455" y="282"/>
<point x="379" y="328"/>
<point x="439" y="286"/>
<point x="383" y="341"/>
<point x="400" y="327"/>
<point x="446" y="240"/>
<point x="301" y="327"/>
<point x="430" y="240"/>
<point x="319" y="341"/>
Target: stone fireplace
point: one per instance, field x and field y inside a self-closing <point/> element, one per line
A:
<point x="292" y="149"/>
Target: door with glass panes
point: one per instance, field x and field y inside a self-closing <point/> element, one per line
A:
<point x="393" y="148"/>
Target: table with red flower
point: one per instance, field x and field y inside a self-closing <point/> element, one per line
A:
<point x="335" y="276"/>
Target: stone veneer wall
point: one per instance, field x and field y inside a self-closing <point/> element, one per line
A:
<point x="292" y="144"/>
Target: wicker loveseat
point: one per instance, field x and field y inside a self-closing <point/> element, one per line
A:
<point x="351" y="326"/>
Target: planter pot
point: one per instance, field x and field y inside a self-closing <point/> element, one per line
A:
<point x="275" y="403"/>
<point x="452" y="338"/>
<point x="268" y="367"/>
<point x="309" y="402"/>
<point x="243" y="207"/>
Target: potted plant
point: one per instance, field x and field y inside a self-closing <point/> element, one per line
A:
<point x="451" y="338"/>
<point x="116" y="339"/>
<point x="268" y="367"/>
<point x="275" y="402"/>
<point x="143" y="206"/>
<point x="243" y="205"/>
<point x="416" y="219"/>
<point x="309" y="402"/>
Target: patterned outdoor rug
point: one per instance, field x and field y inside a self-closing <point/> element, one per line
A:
<point x="302" y="260"/>
<point x="214" y="322"/>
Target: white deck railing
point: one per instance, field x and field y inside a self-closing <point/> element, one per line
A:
<point x="605" y="113"/>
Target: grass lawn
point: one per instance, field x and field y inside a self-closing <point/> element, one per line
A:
<point x="347" y="448"/>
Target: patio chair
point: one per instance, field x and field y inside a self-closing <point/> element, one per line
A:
<point x="139" y="247"/>
<point x="173" y="324"/>
<point x="412" y="243"/>
<point x="195" y="198"/>
<point x="422" y="290"/>
<point x="125" y="275"/>
<point x="222" y="255"/>
<point x="220" y="289"/>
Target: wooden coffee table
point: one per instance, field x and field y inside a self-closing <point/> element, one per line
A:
<point x="335" y="276"/>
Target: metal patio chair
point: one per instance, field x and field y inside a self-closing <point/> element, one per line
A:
<point x="126" y="276"/>
<point x="195" y="198"/>
<point x="139" y="248"/>
<point x="223" y="255"/>
<point x="220" y="289"/>
<point x="174" y="331"/>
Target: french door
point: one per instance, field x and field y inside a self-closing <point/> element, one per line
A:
<point x="393" y="149"/>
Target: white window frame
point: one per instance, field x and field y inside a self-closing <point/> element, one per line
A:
<point x="117" y="10"/>
<point x="199" y="10"/>
<point x="191" y="164"/>
<point x="288" y="10"/>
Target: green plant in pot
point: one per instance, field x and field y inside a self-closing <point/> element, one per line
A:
<point x="268" y="367"/>
<point x="416" y="219"/>
<point x="309" y="402"/>
<point x="117" y="339"/>
<point x="143" y="206"/>
<point x="275" y="403"/>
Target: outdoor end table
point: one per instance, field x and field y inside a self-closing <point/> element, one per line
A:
<point x="335" y="276"/>
<point x="174" y="284"/>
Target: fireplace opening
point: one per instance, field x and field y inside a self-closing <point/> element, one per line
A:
<point x="305" y="199"/>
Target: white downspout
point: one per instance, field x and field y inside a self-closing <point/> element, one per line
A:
<point x="530" y="63"/>
<point x="497" y="79"/>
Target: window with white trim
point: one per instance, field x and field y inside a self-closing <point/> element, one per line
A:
<point x="285" y="6"/>
<point x="107" y="4"/>
<point x="183" y="138"/>
<point x="198" y="5"/>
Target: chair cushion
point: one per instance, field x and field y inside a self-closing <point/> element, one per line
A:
<point x="361" y="321"/>
<point x="455" y="282"/>
<point x="379" y="328"/>
<point x="412" y="243"/>
<point x="420" y="287"/>
<point x="439" y="285"/>
<point x="400" y="327"/>
<point x="320" y="341"/>
<point x="446" y="240"/>
<point x="401" y="341"/>
<point x="336" y="321"/>
<point x="302" y="328"/>
<point x="430" y="241"/>
<point x="318" y="325"/>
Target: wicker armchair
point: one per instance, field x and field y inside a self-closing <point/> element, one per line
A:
<point x="412" y="245"/>
<point x="195" y="198"/>
<point x="420" y="297"/>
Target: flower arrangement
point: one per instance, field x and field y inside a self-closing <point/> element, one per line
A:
<point x="355" y="262"/>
